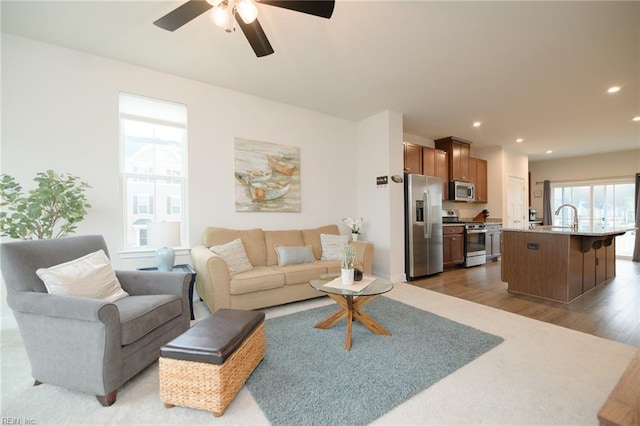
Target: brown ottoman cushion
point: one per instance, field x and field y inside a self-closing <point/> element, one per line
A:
<point x="215" y="338"/>
<point x="207" y="365"/>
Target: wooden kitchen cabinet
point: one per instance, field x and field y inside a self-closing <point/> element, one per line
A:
<point x="458" y="154"/>
<point x="478" y="173"/>
<point x="559" y="266"/>
<point x="598" y="264"/>
<point x="412" y="158"/>
<point x="452" y="245"/>
<point x="434" y="163"/>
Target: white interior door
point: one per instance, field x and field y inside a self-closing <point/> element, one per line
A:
<point x="515" y="203"/>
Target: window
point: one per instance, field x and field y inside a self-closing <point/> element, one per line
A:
<point x="173" y="205"/>
<point x="599" y="204"/>
<point x="142" y="204"/>
<point x="153" y="140"/>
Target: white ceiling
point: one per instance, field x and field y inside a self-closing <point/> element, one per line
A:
<point x="535" y="70"/>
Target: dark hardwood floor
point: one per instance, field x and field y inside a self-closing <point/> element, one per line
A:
<point x="611" y="310"/>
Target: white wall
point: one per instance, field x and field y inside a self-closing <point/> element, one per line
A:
<point x="589" y="167"/>
<point x="495" y="195"/>
<point x="381" y="154"/>
<point x="60" y="112"/>
<point x="418" y="140"/>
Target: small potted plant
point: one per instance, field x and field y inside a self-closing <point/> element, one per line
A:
<point x="348" y="263"/>
<point x="354" y="225"/>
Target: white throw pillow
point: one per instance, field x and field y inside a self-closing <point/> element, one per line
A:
<point x="332" y="246"/>
<point x="234" y="255"/>
<point x="88" y="276"/>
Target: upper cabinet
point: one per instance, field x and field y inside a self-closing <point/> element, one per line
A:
<point x="412" y="158"/>
<point x="424" y="160"/>
<point x="478" y="173"/>
<point x="434" y="163"/>
<point x="459" y="153"/>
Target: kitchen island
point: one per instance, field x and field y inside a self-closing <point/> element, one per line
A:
<point x="558" y="263"/>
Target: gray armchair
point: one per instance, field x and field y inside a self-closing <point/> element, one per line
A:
<point x="88" y="344"/>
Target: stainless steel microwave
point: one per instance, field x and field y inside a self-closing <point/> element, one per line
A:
<point x="461" y="191"/>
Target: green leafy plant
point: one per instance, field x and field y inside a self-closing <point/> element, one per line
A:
<point x="51" y="210"/>
<point x="348" y="257"/>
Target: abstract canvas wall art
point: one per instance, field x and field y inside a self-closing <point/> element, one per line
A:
<point x="267" y="177"/>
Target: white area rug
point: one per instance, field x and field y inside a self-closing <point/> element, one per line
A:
<point x="540" y="374"/>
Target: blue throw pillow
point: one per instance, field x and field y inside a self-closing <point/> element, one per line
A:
<point x="289" y="255"/>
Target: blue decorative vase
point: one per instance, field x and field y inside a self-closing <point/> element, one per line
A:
<point x="165" y="258"/>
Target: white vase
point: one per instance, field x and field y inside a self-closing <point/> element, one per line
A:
<point x="347" y="276"/>
<point x="354" y="236"/>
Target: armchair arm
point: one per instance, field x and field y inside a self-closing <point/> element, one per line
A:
<point x="140" y="283"/>
<point x="74" y="342"/>
<point x="68" y="307"/>
<point x="213" y="280"/>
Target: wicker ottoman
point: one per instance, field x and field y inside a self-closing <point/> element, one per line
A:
<point x="206" y="366"/>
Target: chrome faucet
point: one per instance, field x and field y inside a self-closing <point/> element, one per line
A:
<point x="574" y="226"/>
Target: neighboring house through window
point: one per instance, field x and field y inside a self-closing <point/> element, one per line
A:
<point x="153" y="165"/>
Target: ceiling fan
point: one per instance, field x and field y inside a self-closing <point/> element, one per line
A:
<point x="224" y="12"/>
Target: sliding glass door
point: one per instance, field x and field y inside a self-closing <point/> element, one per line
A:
<point x="600" y="205"/>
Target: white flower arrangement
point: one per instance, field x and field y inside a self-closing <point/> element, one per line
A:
<point x="353" y="224"/>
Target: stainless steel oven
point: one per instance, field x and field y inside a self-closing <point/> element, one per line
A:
<point x="475" y="244"/>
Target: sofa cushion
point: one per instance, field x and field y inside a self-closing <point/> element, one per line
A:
<point x="301" y="273"/>
<point x="290" y="255"/>
<point x="332" y="266"/>
<point x="333" y="246"/>
<point x="311" y="237"/>
<point x="234" y="255"/>
<point x="139" y="315"/>
<point x="88" y="276"/>
<point x="280" y="238"/>
<point x="259" y="278"/>
<point x="252" y="239"/>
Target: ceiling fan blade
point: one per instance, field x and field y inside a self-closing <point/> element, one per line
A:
<point x="321" y="8"/>
<point x="256" y="37"/>
<point x="183" y="14"/>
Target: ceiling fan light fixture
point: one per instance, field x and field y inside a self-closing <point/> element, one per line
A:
<point x="247" y="10"/>
<point x="221" y="17"/>
<point x="214" y="3"/>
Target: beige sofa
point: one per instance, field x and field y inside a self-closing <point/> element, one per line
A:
<point x="267" y="284"/>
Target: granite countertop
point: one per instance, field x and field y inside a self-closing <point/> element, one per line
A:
<point x="584" y="231"/>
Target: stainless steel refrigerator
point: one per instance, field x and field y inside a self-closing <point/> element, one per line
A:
<point x="423" y="225"/>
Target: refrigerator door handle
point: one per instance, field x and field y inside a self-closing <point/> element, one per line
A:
<point x="427" y="215"/>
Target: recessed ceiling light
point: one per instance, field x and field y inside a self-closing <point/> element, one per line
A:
<point x="549" y="151"/>
<point x="613" y="89"/>
<point x="519" y="140"/>
<point x="637" y="118"/>
<point x="477" y="124"/>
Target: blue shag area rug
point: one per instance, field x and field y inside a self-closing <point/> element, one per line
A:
<point x="308" y="378"/>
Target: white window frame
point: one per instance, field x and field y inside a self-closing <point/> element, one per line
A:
<point x="152" y="115"/>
